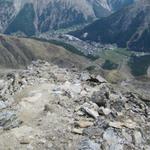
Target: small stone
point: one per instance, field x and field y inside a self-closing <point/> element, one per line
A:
<point x="84" y="124"/>
<point x="42" y="141"/>
<point x="104" y="111"/>
<point x="84" y="76"/>
<point x="87" y="144"/>
<point x="2" y="105"/>
<point x="118" y="105"/>
<point x="130" y="124"/>
<point x="83" y="93"/>
<point x="50" y="145"/>
<point x="2" y="84"/>
<point x="25" y="141"/>
<point x="100" y="98"/>
<point x="114" y="97"/>
<point x="76" y="88"/>
<point x="126" y="135"/>
<point x="119" y="113"/>
<point x="93" y="131"/>
<point x="101" y="79"/>
<point x="80" y="113"/>
<point x="9" y="120"/>
<point x="116" y="124"/>
<point x="47" y="108"/>
<point x="91" y="112"/>
<point x="127" y="123"/>
<point x="137" y="137"/>
<point x="113" y="140"/>
<point x="127" y="106"/>
<point x="77" y="131"/>
<point x="30" y="147"/>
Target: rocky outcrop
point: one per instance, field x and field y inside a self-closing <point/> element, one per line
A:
<point x="47" y="107"/>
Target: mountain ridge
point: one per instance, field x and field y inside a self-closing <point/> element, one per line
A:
<point x="19" y="52"/>
<point x="53" y="14"/>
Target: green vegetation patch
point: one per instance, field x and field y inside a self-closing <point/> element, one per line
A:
<point x="139" y="64"/>
<point x="116" y="56"/>
<point x="109" y="65"/>
<point x="91" y="68"/>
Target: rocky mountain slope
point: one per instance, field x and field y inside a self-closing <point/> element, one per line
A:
<point x="122" y="28"/>
<point x="19" y="52"/>
<point x="30" y="16"/>
<point x="47" y="107"/>
<point x="118" y="4"/>
<point x="48" y="14"/>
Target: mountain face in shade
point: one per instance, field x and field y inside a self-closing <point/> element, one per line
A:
<point x="33" y="16"/>
<point x="24" y="21"/>
<point x="122" y="28"/>
<point x="118" y="4"/>
<point x="6" y="13"/>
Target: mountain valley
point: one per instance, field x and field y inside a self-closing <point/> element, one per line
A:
<point x="74" y="75"/>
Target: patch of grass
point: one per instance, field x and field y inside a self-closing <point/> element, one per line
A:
<point x="109" y="65"/>
<point x="114" y="76"/>
<point x="139" y="64"/>
<point x="116" y="56"/>
<point x="91" y="68"/>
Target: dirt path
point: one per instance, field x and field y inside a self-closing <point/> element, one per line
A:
<point x="47" y="120"/>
